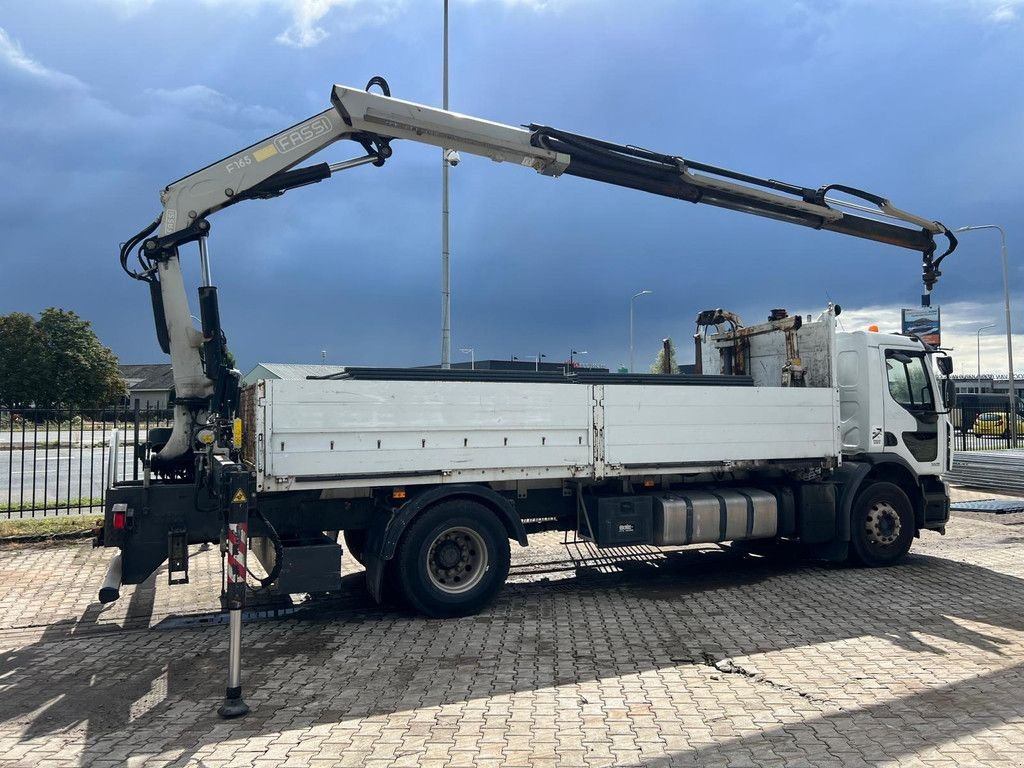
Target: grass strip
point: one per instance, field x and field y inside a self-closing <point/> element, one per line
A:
<point x="44" y="528"/>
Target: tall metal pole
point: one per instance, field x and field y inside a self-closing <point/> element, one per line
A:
<point x="446" y="295"/>
<point x="634" y="297"/>
<point x="978" y="335"/>
<point x="1012" y="391"/>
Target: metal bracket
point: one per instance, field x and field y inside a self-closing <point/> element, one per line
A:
<point x="177" y="556"/>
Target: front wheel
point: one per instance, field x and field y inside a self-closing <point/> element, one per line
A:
<point x="453" y="559"/>
<point x="882" y="525"/>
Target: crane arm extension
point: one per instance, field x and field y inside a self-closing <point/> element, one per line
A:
<point x="262" y="170"/>
<point x="373" y="120"/>
<point x="695" y="182"/>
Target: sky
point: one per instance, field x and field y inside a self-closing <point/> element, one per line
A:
<point x="105" y="102"/>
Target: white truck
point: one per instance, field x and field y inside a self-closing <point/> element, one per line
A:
<point x="789" y="431"/>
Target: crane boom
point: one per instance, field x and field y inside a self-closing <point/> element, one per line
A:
<point x="373" y="120"/>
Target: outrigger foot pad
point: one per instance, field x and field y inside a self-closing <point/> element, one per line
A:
<point x="233" y="705"/>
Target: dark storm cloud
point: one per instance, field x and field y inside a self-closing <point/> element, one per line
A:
<point x="922" y="107"/>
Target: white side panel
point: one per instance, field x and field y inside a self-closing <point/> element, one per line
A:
<point x="857" y="432"/>
<point x="651" y="425"/>
<point x="393" y="428"/>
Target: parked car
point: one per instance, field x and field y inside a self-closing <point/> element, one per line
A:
<point x="972" y="404"/>
<point x="996" y="425"/>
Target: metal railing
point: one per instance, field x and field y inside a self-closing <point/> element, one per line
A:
<point x="54" y="461"/>
<point x="980" y="429"/>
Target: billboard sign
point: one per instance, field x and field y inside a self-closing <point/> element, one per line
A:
<point x="923" y="322"/>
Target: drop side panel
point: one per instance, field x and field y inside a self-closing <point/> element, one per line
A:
<point x="647" y="426"/>
<point x="373" y="429"/>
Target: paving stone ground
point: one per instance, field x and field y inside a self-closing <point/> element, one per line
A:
<point x="698" y="657"/>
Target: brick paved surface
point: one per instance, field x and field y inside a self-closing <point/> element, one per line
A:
<point x="698" y="657"/>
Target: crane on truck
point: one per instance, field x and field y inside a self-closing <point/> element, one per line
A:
<point x="217" y="475"/>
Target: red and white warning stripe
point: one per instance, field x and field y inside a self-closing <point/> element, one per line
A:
<point x="238" y="535"/>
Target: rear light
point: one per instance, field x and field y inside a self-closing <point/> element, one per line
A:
<point x="120" y="516"/>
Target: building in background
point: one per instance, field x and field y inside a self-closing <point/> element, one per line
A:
<point x="288" y="371"/>
<point x="149" y="385"/>
<point x="987" y="383"/>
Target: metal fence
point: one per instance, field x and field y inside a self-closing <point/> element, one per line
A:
<point x="985" y="431"/>
<point x="54" y="461"/>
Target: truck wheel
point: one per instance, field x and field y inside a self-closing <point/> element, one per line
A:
<point x="882" y="525"/>
<point x="453" y="559"/>
<point x="355" y="544"/>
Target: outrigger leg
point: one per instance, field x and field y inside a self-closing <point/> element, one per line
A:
<point x="235" y="490"/>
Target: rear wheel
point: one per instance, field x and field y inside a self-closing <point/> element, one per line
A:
<point x="453" y="559"/>
<point x="882" y="525"/>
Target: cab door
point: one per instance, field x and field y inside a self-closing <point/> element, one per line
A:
<point x="912" y="426"/>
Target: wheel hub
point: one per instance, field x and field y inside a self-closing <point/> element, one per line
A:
<point x="447" y="554"/>
<point x="456" y="560"/>
<point x="883" y="524"/>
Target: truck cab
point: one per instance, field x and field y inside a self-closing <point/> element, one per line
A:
<point x="890" y="402"/>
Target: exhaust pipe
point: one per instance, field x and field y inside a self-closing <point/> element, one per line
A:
<point x="111" y="588"/>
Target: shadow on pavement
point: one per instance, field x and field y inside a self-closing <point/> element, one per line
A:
<point x="359" y="660"/>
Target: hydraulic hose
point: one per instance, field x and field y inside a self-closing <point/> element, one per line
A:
<point x="275" y="539"/>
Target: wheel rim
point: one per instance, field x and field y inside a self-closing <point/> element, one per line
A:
<point x="883" y="524"/>
<point x="456" y="560"/>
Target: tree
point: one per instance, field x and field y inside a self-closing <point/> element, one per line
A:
<point x="658" y="366"/>
<point x="20" y="347"/>
<point x="57" y="361"/>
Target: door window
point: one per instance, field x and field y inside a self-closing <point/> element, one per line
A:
<point x="909" y="384"/>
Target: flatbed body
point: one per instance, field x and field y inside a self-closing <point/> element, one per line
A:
<point x="351" y="433"/>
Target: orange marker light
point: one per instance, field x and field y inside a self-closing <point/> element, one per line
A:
<point x="873" y="328"/>
<point x="398" y="493"/>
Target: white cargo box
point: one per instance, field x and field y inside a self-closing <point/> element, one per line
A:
<point x="358" y="433"/>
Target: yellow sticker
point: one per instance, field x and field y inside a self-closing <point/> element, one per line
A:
<point x="239" y="497"/>
<point x="264" y="153"/>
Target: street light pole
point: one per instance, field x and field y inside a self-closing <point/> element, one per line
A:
<point x="446" y="293"/>
<point x="978" y="335"/>
<point x="1012" y="394"/>
<point x="633" y="299"/>
<point x="472" y="356"/>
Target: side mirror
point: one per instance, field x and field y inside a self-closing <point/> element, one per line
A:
<point x="945" y="365"/>
<point x="948" y="391"/>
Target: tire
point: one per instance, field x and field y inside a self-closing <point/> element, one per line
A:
<point x="452" y="559"/>
<point x="355" y="544"/>
<point x="881" y="526"/>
